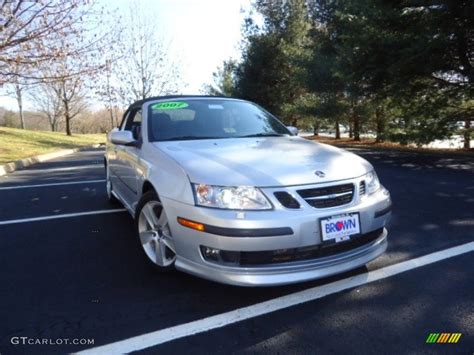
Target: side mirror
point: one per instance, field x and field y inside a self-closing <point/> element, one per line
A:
<point x="293" y="130"/>
<point x="122" y="137"/>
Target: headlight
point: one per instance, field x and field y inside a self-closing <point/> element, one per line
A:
<point x="372" y="182"/>
<point x="237" y="198"/>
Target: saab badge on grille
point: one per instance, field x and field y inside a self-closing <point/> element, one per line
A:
<point x="320" y="173"/>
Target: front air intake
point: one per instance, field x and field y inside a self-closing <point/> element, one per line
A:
<point x="287" y="200"/>
<point x="362" y="188"/>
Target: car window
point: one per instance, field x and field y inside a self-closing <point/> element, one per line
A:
<point x="211" y="118"/>
<point x="124" y="121"/>
<point x="137" y="119"/>
<point x="134" y="123"/>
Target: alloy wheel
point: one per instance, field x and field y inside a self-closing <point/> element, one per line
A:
<point x="155" y="235"/>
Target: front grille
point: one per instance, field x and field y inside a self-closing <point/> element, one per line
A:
<point x="362" y="188"/>
<point x="307" y="253"/>
<point x="286" y="200"/>
<point x="329" y="196"/>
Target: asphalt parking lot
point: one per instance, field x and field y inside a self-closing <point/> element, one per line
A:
<point x="82" y="276"/>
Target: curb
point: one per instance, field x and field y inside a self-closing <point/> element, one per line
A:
<point x="458" y="153"/>
<point x="426" y="151"/>
<point x="24" y="163"/>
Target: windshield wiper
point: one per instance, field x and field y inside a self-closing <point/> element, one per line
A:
<point x="262" y="135"/>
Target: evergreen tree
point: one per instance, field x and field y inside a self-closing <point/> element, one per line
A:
<point x="272" y="70"/>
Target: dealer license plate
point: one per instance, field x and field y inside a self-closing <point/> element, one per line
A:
<point x="341" y="227"/>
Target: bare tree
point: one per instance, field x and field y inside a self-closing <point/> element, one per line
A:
<point x="145" y="68"/>
<point x="31" y="30"/>
<point x="92" y="122"/>
<point x="48" y="103"/>
<point x="67" y="93"/>
<point x="110" y="95"/>
<point x="16" y="88"/>
<point x="70" y="91"/>
<point x="105" y="89"/>
<point x="56" y="43"/>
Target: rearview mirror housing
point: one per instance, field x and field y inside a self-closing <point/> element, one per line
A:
<point x="293" y="130"/>
<point x="122" y="138"/>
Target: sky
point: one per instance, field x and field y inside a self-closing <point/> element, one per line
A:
<point x="201" y="33"/>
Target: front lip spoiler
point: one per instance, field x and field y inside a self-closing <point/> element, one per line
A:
<point x="283" y="275"/>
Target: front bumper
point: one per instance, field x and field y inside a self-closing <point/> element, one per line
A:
<point x="287" y="273"/>
<point x="303" y="223"/>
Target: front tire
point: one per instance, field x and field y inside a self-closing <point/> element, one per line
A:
<point x="154" y="233"/>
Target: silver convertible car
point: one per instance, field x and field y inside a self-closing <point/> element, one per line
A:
<point x="221" y="189"/>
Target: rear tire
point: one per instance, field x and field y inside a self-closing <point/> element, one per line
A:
<point x="154" y="234"/>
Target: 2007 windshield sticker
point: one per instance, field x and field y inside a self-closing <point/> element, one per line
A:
<point x="173" y="105"/>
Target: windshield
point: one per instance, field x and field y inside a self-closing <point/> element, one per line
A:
<point x="188" y="119"/>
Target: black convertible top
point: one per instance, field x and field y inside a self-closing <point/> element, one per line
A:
<point x="139" y="103"/>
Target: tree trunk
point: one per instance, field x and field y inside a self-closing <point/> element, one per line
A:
<point x="19" y="99"/>
<point x="67" y="114"/>
<point x="467" y="134"/>
<point x="316" y="128"/>
<point x="294" y="121"/>
<point x="67" y="117"/>
<point x="355" y="119"/>
<point x="116" y="116"/>
<point x="111" y="118"/>
<point x="356" y="128"/>
<point x="380" y="125"/>
<point x="68" y="124"/>
<point x="351" y="129"/>
<point x="338" y="131"/>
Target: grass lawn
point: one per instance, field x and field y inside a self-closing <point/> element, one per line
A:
<point x="21" y="143"/>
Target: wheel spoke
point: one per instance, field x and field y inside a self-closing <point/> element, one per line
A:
<point x="162" y="220"/>
<point x="146" y="237"/>
<point x="165" y="231"/>
<point x="150" y="215"/>
<point x="168" y="243"/>
<point x="160" y="251"/>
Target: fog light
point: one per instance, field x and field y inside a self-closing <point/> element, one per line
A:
<point x="211" y="253"/>
<point x="224" y="257"/>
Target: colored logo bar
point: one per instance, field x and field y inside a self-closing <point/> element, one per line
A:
<point x="443" y="338"/>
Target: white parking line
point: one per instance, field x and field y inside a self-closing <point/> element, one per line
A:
<point x="58" y="216"/>
<point x="52" y="184"/>
<point x="180" y="331"/>
<point x="51" y="170"/>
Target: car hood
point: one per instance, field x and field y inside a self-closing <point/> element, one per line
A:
<point x="263" y="162"/>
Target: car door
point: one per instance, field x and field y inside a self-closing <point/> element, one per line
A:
<point x="112" y="159"/>
<point x="128" y="157"/>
